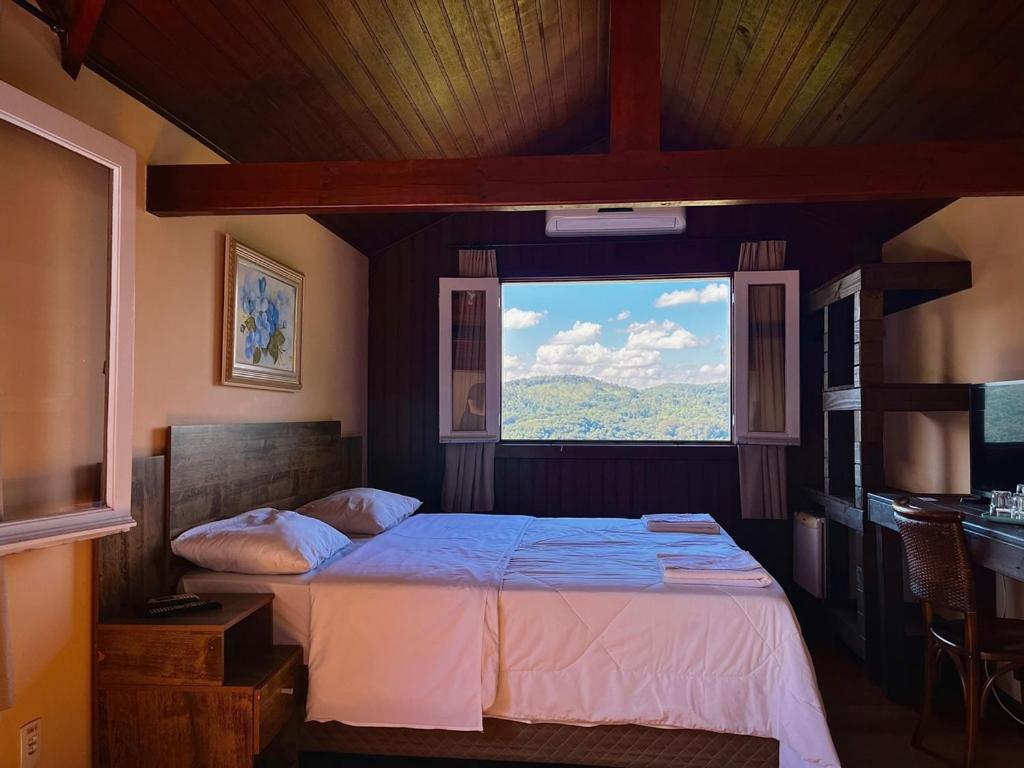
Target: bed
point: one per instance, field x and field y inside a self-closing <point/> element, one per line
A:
<point x="549" y="640"/>
<point x="538" y="620"/>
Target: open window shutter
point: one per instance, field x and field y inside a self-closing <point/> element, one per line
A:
<point x="766" y="364"/>
<point x="469" y="358"/>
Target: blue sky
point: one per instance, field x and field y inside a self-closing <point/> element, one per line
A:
<point x="637" y="333"/>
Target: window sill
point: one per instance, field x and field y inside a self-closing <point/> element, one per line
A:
<point x="692" y="451"/>
<point x="22" y="535"/>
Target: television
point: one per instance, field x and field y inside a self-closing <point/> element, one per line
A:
<point x="997" y="436"/>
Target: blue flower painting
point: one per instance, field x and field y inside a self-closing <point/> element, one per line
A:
<point x="262" y="320"/>
<point x="265" y="307"/>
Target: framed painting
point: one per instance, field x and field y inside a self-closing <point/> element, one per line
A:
<point x="262" y="320"/>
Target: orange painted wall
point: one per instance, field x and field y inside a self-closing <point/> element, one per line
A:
<point x="178" y="301"/>
<point x="972" y="336"/>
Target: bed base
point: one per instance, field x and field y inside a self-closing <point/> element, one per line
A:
<point x="616" y="746"/>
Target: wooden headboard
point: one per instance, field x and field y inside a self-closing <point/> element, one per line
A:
<point x="212" y="472"/>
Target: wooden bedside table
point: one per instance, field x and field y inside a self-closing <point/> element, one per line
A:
<point x="195" y="689"/>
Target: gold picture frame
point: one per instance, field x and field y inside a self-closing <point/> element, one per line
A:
<point x="262" y="320"/>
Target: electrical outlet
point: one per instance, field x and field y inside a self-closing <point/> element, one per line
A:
<point x="31" y="743"/>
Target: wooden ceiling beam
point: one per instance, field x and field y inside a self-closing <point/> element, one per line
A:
<point x="635" y="77"/>
<point x="75" y="23"/>
<point x="707" y="177"/>
<point x="78" y="37"/>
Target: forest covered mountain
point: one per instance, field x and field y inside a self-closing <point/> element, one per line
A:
<point x="582" y="408"/>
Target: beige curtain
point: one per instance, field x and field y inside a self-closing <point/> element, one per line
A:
<point x="6" y="673"/>
<point x="763" y="467"/>
<point x="469" y="467"/>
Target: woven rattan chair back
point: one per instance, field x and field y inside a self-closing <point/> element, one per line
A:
<point x="938" y="560"/>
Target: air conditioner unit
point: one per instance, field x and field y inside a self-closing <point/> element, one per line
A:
<point x="615" y="221"/>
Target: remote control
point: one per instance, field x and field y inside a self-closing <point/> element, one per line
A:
<point x="186" y="607"/>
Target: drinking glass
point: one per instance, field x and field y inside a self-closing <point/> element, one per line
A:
<point x="1001" y="501"/>
<point x="1020" y="489"/>
<point x="1017" y="506"/>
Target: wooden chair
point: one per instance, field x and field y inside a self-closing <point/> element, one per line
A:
<point x="941" y="577"/>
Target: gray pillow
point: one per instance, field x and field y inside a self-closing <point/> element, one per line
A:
<point x="362" y="511"/>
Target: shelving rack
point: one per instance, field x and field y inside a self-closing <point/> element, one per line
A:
<point x="855" y="399"/>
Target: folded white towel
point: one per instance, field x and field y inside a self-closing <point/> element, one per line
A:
<point x="732" y="569"/>
<point x="690" y="523"/>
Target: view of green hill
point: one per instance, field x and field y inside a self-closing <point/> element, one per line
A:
<point x="582" y="408"/>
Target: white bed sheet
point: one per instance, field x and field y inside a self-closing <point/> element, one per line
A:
<point x="291" y="595"/>
<point x="404" y="632"/>
<point x="588" y="635"/>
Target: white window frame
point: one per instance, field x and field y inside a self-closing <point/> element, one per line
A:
<point x="742" y="281"/>
<point x="492" y="340"/>
<point x="113" y="515"/>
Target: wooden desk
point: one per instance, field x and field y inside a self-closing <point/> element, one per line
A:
<point x="996" y="547"/>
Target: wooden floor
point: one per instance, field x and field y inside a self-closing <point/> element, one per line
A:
<point x="869" y="731"/>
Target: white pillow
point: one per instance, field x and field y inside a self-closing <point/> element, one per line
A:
<point x="362" y="510"/>
<point x="260" y="541"/>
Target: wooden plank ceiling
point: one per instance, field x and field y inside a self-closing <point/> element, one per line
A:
<point x="266" y="80"/>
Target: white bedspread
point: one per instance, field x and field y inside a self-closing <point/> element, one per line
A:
<point x="591" y="635"/>
<point x="404" y="631"/>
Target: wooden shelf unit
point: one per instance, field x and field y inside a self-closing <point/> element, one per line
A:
<point x="855" y="399"/>
<point x="902" y="284"/>
<point x="897" y="397"/>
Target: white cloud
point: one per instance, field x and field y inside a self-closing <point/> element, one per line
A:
<point x="665" y="335"/>
<point x="623" y="315"/>
<point x="720" y="370"/>
<point x="707" y="374"/>
<point x="628" y="366"/>
<point x="513" y="367"/>
<point x="709" y="293"/>
<point x="638" y="363"/>
<point x="516" y="319"/>
<point x="580" y="333"/>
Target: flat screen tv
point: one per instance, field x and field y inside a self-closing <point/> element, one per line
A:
<point x="997" y="436"/>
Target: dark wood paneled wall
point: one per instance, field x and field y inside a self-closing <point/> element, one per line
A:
<point x="404" y="454"/>
<point x="613" y="480"/>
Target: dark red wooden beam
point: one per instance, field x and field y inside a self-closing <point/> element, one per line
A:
<point x="75" y="23"/>
<point x="79" y="36"/>
<point x="705" y="177"/>
<point x="635" y="78"/>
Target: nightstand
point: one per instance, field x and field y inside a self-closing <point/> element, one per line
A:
<point x="195" y="689"/>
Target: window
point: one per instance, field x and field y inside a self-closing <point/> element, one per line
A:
<point x="616" y="360"/>
<point x="468" y="359"/>
<point x="685" y="359"/>
<point x="65" y="407"/>
<point x="767" y="356"/>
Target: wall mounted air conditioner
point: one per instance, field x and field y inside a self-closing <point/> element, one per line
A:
<point x="605" y="222"/>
